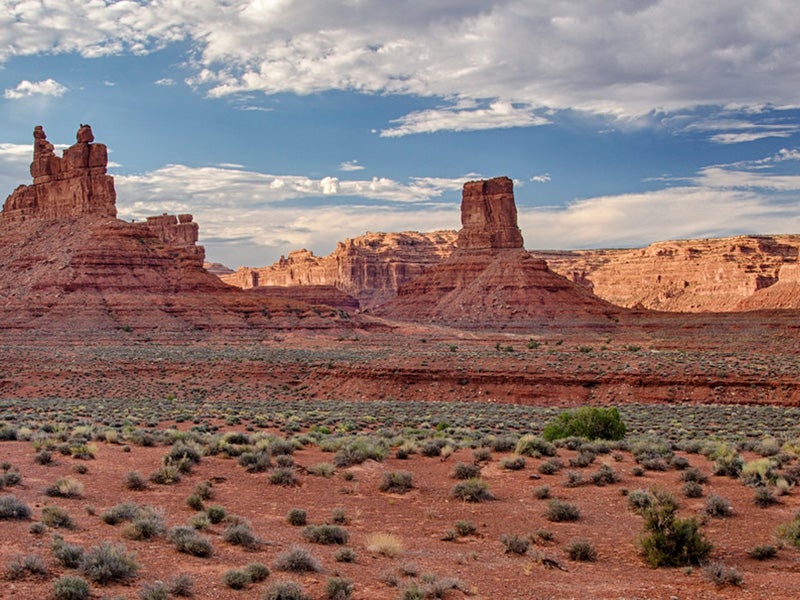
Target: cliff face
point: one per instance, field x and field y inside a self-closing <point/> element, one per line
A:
<point x="490" y="279"/>
<point x="66" y="262"/>
<point x="719" y="274"/>
<point x="369" y="268"/>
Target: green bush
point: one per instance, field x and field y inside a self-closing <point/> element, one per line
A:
<point x="535" y="447"/>
<point x="398" y="482"/>
<point x="345" y="555"/>
<point x="55" y="516"/>
<point x="188" y="541"/>
<point x="241" y="534"/>
<point x="588" y="422"/>
<point x="257" y="571"/>
<point x="582" y="550"/>
<point x="285" y="590"/>
<point x="466" y="471"/>
<point x="109" y="563"/>
<point x="297" y="560"/>
<point x="515" y="544"/>
<point x="236" y="579"/>
<point x="68" y="555"/>
<point x="338" y="588"/>
<point x="154" y="590"/>
<point x="472" y="490"/>
<point x="559" y="511"/>
<point x="296" y="517"/>
<point x="326" y="534"/>
<point x="762" y="552"/>
<point x="71" y="587"/>
<point x="668" y="541"/>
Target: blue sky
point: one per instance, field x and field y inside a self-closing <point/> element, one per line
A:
<point x="284" y="124"/>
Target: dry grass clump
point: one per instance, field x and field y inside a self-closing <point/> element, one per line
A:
<point x="385" y="544"/>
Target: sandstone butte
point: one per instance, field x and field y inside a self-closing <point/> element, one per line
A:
<point x="490" y="279"/>
<point x="67" y="263"/>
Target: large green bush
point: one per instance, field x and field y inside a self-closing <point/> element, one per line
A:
<point x="668" y="541"/>
<point x="588" y="422"/>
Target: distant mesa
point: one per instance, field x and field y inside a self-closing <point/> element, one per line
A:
<point x="68" y="264"/>
<point x="490" y="279"/>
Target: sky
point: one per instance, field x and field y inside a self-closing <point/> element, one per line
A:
<point x="288" y="124"/>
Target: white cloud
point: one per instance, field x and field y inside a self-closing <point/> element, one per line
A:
<point x="621" y="59"/>
<point x="350" y="165"/>
<point x="26" y="89"/>
<point x="544" y="178"/>
<point x="165" y="81"/>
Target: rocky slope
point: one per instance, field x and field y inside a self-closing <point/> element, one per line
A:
<point x="720" y="274"/>
<point x="369" y="268"/>
<point x="490" y="279"/>
<point x="66" y="262"/>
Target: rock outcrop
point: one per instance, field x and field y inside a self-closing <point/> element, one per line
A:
<point x="707" y="275"/>
<point x="490" y="279"/>
<point x="67" y="262"/>
<point x="369" y="268"/>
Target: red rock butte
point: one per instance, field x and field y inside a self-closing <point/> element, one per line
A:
<point x="490" y="279"/>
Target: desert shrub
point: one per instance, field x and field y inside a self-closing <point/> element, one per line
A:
<point x="241" y="534"/>
<point x="582" y="459"/>
<point x="68" y="555"/>
<point x="717" y="506"/>
<point x="55" y="516"/>
<point x="181" y="585"/>
<point x="257" y="571"/>
<point x="655" y="464"/>
<point x="692" y="489"/>
<point x="512" y="464"/>
<point x="326" y="534"/>
<point x="184" y="455"/>
<point x="762" y="552"/>
<point x="357" y="451"/>
<point x="466" y="471"/>
<point x="559" y="511"/>
<point x="153" y="590"/>
<point x="640" y="500"/>
<point x="187" y="541"/>
<point x="338" y="588"/>
<point x="284" y="476"/>
<point x="134" y="481"/>
<point x="679" y="463"/>
<point x="285" y="590"/>
<point x="650" y="447"/>
<point x="385" y="544"/>
<point x="668" y="541"/>
<point x="514" y="544"/>
<point x="535" y="447"/>
<point x="480" y="455"/>
<point x="541" y="492"/>
<point x="338" y="515"/>
<point x="503" y="443"/>
<point x="398" y="482"/>
<point x="43" y="457"/>
<point x="605" y="475"/>
<point x="763" y="497"/>
<point x="790" y="532"/>
<point x="464" y="528"/>
<point x="432" y="448"/>
<point x="166" y="475"/>
<point x="323" y="469"/>
<point x="124" y="511"/>
<point x="216" y="514"/>
<point x="297" y="560"/>
<point x="726" y="460"/>
<point x="582" y="550"/>
<point x="194" y="501"/>
<point x="573" y="479"/>
<point x="37" y="528"/>
<point x="65" y="487"/>
<point x="13" y="508"/>
<point x="296" y="517"/>
<point x="255" y="462"/>
<point x="759" y="472"/>
<point x="345" y="555"/>
<point x="694" y="474"/>
<point x="236" y="579"/>
<point x="71" y="587"/>
<point x="720" y="574"/>
<point x="551" y="466"/>
<point x="21" y="566"/>
<point x="588" y="422"/>
<point x="204" y="489"/>
<point x="472" y="490"/>
<point x="285" y="460"/>
<point x="109" y="563"/>
<point x="147" y="523"/>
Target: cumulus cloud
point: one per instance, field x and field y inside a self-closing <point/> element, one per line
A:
<point x="625" y="60"/>
<point x="350" y="165"/>
<point x="543" y="178"/>
<point x="26" y="89"/>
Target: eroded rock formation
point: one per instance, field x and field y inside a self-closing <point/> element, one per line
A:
<point x="67" y="262"/>
<point x="490" y="279"/>
<point x="369" y="268"/>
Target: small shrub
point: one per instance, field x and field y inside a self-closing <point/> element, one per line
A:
<point x="587" y="422"/>
<point x="513" y="464"/>
<point x="345" y="555"/>
<point x="640" y="500"/>
<point x="472" y="490"/>
<point x="326" y="534"/>
<point x="692" y="489"/>
<point x="551" y="466"/>
<point x="68" y="555"/>
<point x="188" y="541"/>
<point x="515" y="544"/>
<point x="285" y="590"/>
<point x="763" y="497"/>
<point x="541" y="492"/>
<point x="384" y="544"/>
<point x="559" y="511"/>
<point x="297" y="560"/>
<point x="323" y="469"/>
<point x="235" y="579"/>
<point x="296" y="517"/>
<point x="284" y="476"/>
<point x="398" y="482"/>
<point x="466" y="471"/>
<point x="241" y="534"/>
<point x="255" y="462"/>
<point x="71" y="587"/>
<point x="582" y="550"/>
<point x="13" y="508"/>
<point x="465" y="528"/>
<point x="182" y="585"/>
<point x="37" y="528"/>
<point x="148" y="523"/>
<point x="65" y="487"/>
<point x="338" y="516"/>
<point x="535" y="447"/>
<point x="668" y="541"/>
<point x="763" y="552"/>
<point x="257" y="571"/>
<point x="134" y="481"/>
<point x="573" y="479"/>
<point x="124" y="511"/>
<point x="605" y="475"/>
<point x="722" y="575"/>
<point x="205" y="490"/>
<point x="109" y="563"/>
<point x="194" y="501"/>
<point x="717" y="506"/>
<point x="166" y="475"/>
<point x="216" y="514"/>
<point x="694" y="474"/>
<point x="43" y="457"/>
<point x="55" y="516"/>
<point x="338" y="588"/>
<point x="21" y="566"/>
<point x="582" y="459"/>
<point x="154" y="590"/>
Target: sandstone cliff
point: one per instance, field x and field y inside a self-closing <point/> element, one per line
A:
<point x="718" y="274"/>
<point x="369" y="268"/>
<point x="490" y="279"/>
<point x="67" y="262"/>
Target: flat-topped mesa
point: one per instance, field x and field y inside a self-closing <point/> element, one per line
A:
<point x="66" y="187"/>
<point x="489" y="216"/>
